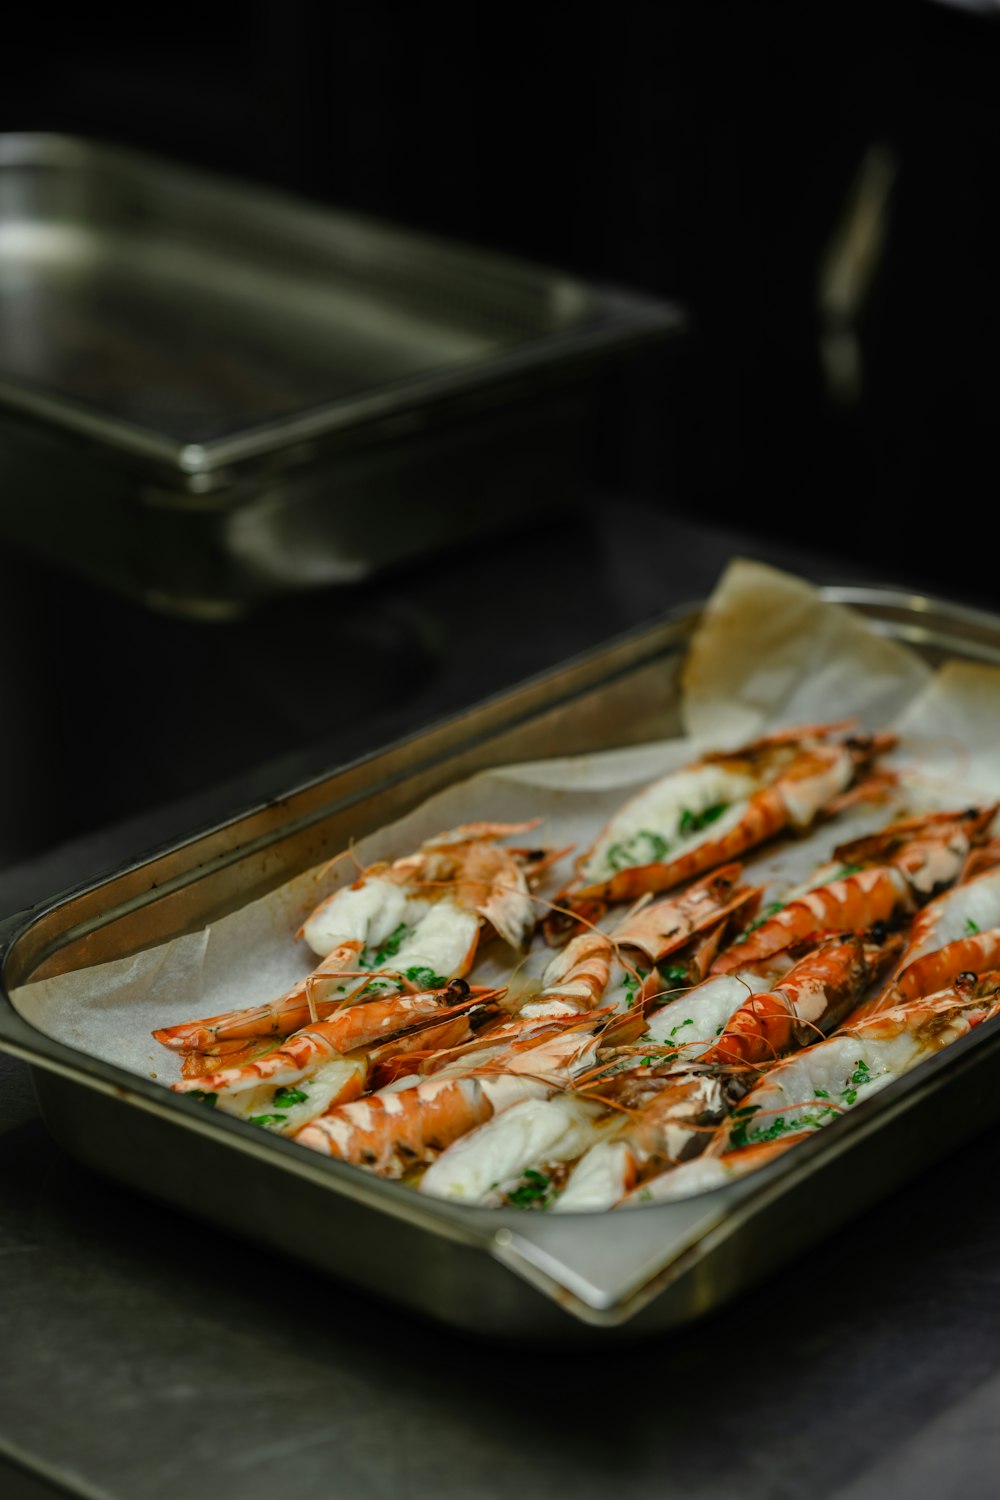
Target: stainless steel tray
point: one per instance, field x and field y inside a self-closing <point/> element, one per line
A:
<point x="209" y="391"/>
<point x="499" y="1273"/>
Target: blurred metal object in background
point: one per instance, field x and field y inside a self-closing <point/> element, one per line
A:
<point x="848" y="270"/>
<point x="210" y="393"/>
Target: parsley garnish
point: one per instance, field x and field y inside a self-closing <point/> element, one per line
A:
<point x="646" y="1195"/>
<point x="632" y="983"/>
<point x="673" y="974"/>
<point x="780" y="1126"/>
<point x="204" y="1097"/>
<point x="426" y="978"/>
<point x="285" y="1098"/>
<point x="389" y="949"/>
<point x="738" y="1134"/>
<point x="534" y="1191"/>
<point x="660" y="1057"/>
<point x="846" y="870"/>
<point x="268" y="1119"/>
<point x="765" y="916"/>
<point x="376" y="987"/>
<point x="971" y="927"/>
<point x="860" y="1076"/>
<point x="624" y="855"/>
<point x="692" y="822"/>
<point x="680" y="1026"/>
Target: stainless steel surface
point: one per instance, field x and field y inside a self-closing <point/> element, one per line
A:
<point x="239" y="392"/>
<point x="501" y="1273"/>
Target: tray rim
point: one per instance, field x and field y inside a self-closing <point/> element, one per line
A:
<point x="516" y="1240"/>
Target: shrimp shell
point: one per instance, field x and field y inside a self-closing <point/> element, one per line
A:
<point x="854" y="903"/>
<point x="348" y="1031"/>
<point x="812" y="998"/>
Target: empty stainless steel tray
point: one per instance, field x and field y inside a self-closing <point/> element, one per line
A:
<point x="209" y="391"/>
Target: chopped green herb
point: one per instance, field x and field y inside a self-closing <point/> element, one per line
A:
<point x="765" y="916"/>
<point x="285" y="1098"/>
<point x="742" y="1116"/>
<point x="533" y="1192"/>
<point x="646" y="1195"/>
<point x="846" y="870"/>
<point x="204" y="1097"/>
<point x="860" y="1076"/>
<point x="630" y="852"/>
<point x="822" y="1094"/>
<point x="632" y="982"/>
<point x="971" y="927"/>
<point x="673" y="973"/>
<point x="426" y="978"/>
<point x="680" y="1026"/>
<point x="655" y="1058"/>
<point x="376" y="987"/>
<point x="692" y="822"/>
<point x="389" y="949"/>
<point x="268" y="1119"/>
<point x="780" y="1126"/>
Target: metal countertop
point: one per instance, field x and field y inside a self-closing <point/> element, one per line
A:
<point x="147" y="1355"/>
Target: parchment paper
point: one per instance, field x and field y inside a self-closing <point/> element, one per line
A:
<point x="770" y="652"/>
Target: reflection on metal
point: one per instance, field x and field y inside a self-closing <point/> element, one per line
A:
<point x="849" y="269"/>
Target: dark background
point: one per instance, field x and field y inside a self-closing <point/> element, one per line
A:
<point x="703" y="152"/>
<point x="707" y="153"/>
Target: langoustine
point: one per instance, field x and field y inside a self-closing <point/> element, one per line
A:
<point x="816" y="1086"/>
<point x="811" y="1090"/>
<point x="672" y="1122"/>
<point x="958" y="933"/>
<point x="812" y="998"/>
<point x="713" y="811"/>
<point x="890" y="875"/>
<point x="410" y="925"/>
<point x="662" y="1118"/>
<point x="596" y="967"/>
<point x="327" y="1064"/>
<point x="541" y="1106"/>
<point x="465" y="868"/>
<point x="398" y="1129"/>
<point x="708" y="1172"/>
